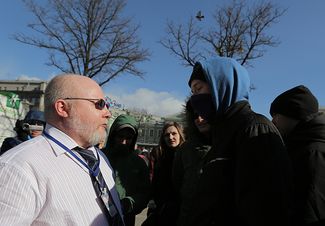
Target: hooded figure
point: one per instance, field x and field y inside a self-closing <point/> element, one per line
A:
<point x="34" y="123"/>
<point x="233" y="169"/>
<point x="131" y="172"/>
<point x="295" y="113"/>
<point x="31" y="126"/>
<point x="298" y="103"/>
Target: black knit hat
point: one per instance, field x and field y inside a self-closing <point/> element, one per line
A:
<point x="297" y="103"/>
<point x="197" y="73"/>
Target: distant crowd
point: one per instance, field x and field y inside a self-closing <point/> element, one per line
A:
<point x="224" y="165"/>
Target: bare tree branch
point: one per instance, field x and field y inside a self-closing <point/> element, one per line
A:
<point x="182" y="41"/>
<point x="87" y="37"/>
<point x="240" y="32"/>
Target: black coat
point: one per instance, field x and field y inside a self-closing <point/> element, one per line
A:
<point x="163" y="192"/>
<point x="242" y="178"/>
<point x="11" y="142"/>
<point x="306" y="147"/>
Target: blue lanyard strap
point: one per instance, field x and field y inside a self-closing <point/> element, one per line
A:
<point x="94" y="172"/>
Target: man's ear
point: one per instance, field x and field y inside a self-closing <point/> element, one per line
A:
<point x="62" y="108"/>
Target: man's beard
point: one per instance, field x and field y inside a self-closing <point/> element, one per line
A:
<point x="96" y="138"/>
<point x="92" y="135"/>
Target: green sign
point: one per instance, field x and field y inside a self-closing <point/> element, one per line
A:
<point x="12" y="99"/>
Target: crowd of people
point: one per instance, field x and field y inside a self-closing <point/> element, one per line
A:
<point x="31" y="126"/>
<point x="223" y="165"/>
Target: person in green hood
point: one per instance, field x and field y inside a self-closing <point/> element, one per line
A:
<point x="132" y="178"/>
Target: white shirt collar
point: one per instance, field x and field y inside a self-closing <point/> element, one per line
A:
<point x="62" y="138"/>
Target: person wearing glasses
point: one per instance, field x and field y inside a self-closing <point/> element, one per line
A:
<point x="131" y="172"/>
<point x="241" y="175"/>
<point x="60" y="178"/>
<point x="31" y="126"/>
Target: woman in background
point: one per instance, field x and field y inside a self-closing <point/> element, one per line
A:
<point x="163" y="208"/>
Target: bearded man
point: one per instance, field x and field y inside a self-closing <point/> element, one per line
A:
<point x="60" y="178"/>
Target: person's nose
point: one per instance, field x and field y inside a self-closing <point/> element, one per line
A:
<point x="107" y="113"/>
<point x="124" y="141"/>
<point x="199" y="119"/>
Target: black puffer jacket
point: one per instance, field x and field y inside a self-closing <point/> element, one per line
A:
<point x="306" y="147"/>
<point x="242" y="178"/>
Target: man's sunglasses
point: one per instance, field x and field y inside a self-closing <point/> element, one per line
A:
<point x="100" y="104"/>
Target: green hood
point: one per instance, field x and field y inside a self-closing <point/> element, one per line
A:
<point x="119" y="121"/>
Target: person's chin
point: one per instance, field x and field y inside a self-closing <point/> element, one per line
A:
<point x="35" y="134"/>
<point x="102" y="131"/>
<point x="173" y="145"/>
<point x="204" y="128"/>
<point x="97" y="137"/>
<point x="102" y="134"/>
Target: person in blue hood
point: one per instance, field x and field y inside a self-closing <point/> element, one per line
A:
<point x="233" y="169"/>
<point x="31" y="126"/>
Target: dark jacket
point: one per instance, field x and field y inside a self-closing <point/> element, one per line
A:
<point x="22" y="133"/>
<point x="306" y="147"/>
<point x="130" y="171"/>
<point x="163" y="192"/>
<point x="11" y="142"/>
<point x="240" y="175"/>
<point x="241" y="180"/>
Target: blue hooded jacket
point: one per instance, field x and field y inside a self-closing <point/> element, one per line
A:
<point x="228" y="80"/>
<point x="243" y="176"/>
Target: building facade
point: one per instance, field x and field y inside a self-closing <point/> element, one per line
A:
<point x="31" y="91"/>
<point x="149" y="126"/>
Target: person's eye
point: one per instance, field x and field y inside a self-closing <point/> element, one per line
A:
<point x="197" y="90"/>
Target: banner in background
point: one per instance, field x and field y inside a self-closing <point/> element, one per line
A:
<point x="10" y="105"/>
<point x="11" y="109"/>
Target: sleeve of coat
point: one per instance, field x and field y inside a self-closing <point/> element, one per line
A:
<point x="139" y="198"/>
<point x="178" y="170"/>
<point x="263" y="177"/>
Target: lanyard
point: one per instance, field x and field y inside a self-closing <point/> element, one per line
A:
<point x="94" y="172"/>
